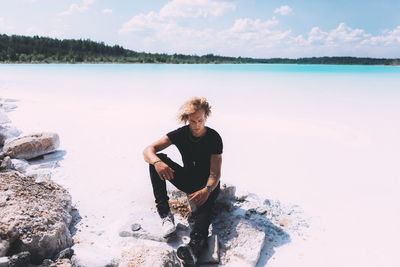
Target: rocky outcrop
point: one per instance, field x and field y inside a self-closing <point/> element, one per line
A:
<point x="6" y="164"/>
<point x="4" y="246"/>
<point x="149" y="256"/>
<point x="34" y="216"/>
<point x="31" y="146"/>
<point x="244" y="227"/>
<point x="4" y="118"/>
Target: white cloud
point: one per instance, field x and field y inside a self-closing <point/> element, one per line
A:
<point x="341" y="36"/>
<point x="317" y="35"/>
<point x="195" y="8"/>
<point x="255" y="34"/>
<point x="388" y="38"/>
<point x="346" y="34"/>
<point x="284" y="10"/>
<point x="142" y="22"/>
<point x="72" y="8"/>
<point x="78" y="8"/>
<point x="173" y="10"/>
<point x="107" y="11"/>
<point x="168" y="32"/>
<point x="346" y="41"/>
<point x="250" y="25"/>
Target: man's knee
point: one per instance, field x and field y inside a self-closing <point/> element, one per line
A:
<point x="163" y="157"/>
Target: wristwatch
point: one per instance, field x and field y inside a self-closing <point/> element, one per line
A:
<point x="209" y="188"/>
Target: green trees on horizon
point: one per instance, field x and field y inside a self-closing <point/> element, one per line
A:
<point x="23" y="49"/>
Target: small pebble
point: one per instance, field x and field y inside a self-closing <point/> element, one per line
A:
<point x="252" y="210"/>
<point x="136" y="227"/>
<point x="267" y="202"/>
<point x="261" y="210"/>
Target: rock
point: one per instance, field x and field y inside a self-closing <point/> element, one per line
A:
<point x="57" y="263"/>
<point x="147" y="255"/>
<point x="4" y="262"/>
<point x="247" y="214"/>
<point x="180" y="204"/>
<point x="32" y="146"/>
<point x="35" y="217"/>
<point x="21" y="259"/>
<point x="252" y="210"/>
<point x="241" y="229"/>
<point x="245" y="241"/>
<point x="261" y="210"/>
<point x="6" y="164"/>
<point x="4" y="246"/>
<point x="4" y="118"/>
<point x="2" y="155"/>
<point x="267" y="202"/>
<point x="135" y="227"/>
<point x="7" y="132"/>
<point x="20" y="165"/>
<point x="65" y="254"/>
<point x="62" y="263"/>
<point x="144" y="235"/>
<point x="211" y="254"/>
<point x="8" y="106"/>
<point x="241" y="197"/>
<point x="46" y="263"/>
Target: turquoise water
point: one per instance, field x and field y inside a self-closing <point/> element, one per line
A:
<point x="249" y="82"/>
<point x="280" y="68"/>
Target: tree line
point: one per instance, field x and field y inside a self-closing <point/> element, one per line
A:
<point x="24" y="49"/>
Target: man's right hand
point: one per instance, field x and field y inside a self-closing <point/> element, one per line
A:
<point x="164" y="171"/>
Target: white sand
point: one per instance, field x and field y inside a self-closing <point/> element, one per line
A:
<point x="337" y="160"/>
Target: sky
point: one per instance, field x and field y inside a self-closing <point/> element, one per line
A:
<point x="247" y="28"/>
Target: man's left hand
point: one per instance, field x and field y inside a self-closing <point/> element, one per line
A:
<point x="199" y="197"/>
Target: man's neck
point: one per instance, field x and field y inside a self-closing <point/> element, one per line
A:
<point x="203" y="132"/>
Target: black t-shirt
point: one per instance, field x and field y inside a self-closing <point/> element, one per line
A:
<point x="196" y="151"/>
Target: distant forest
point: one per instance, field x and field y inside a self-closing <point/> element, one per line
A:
<point x="23" y="49"/>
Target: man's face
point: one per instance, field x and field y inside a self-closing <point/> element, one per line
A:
<point x="197" y="121"/>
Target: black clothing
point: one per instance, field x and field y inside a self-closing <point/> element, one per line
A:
<point x="202" y="216"/>
<point x="193" y="176"/>
<point x="196" y="151"/>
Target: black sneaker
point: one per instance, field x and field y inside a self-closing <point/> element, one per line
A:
<point x="186" y="254"/>
<point x="189" y="253"/>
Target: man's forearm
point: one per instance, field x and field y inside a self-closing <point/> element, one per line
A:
<point x="213" y="180"/>
<point x="150" y="156"/>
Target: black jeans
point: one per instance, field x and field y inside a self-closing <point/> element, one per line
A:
<point x="186" y="182"/>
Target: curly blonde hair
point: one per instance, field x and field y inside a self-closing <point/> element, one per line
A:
<point x="193" y="105"/>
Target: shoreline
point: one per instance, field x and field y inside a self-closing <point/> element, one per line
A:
<point x="128" y="63"/>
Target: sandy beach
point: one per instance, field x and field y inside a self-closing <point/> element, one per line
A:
<point x="333" y="154"/>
